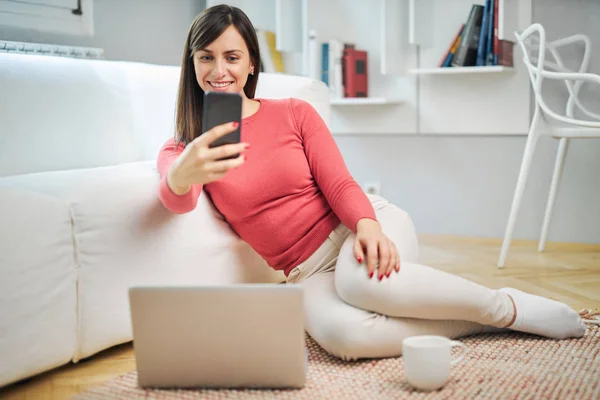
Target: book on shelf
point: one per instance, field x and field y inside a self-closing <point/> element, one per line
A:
<point x="446" y="60"/>
<point x="505" y="52"/>
<point x="344" y="69"/>
<point x="271" y="59"/>
<point x="466" y="54"/>
<point x="476" y="42"/>
<point x="356" y="73"/>
<point x="332" y="67"/>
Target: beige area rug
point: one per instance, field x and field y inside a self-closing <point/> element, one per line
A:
<point x="497" y="366"/>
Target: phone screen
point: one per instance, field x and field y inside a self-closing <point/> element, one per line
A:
<point x="220" y="108"/>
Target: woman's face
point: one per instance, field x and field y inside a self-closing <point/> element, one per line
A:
<point x="224" y="64"/>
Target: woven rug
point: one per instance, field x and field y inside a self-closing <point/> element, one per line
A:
<point x="497" y="366"/>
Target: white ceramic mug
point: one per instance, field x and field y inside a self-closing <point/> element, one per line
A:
<point x="427" y="360"/>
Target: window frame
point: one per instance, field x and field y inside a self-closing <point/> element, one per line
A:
<point x="48" y="18"/>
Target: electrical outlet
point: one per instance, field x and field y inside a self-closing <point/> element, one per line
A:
<point x="372" y="187"/>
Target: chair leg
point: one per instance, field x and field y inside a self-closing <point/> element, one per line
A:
<point x="532" y="139"/>
<point x="558" y="169"/>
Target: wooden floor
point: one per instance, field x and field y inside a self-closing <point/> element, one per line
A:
<point x="566" y="272"/>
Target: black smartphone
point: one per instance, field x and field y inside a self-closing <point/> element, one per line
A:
<point x="220" y="108"/>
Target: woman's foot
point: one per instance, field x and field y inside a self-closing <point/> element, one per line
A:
<point x="545" y="317"/>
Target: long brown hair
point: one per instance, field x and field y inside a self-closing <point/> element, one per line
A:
<point x="204" y="30"/>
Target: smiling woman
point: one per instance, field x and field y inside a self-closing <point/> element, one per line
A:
<point x="297" y="205"/>
<point x="218" y="68"/>
<point x="221" y="53"/>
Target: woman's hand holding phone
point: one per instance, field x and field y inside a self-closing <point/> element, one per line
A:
<point x="201" y="164"/>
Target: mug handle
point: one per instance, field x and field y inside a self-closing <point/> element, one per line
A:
<point x="462" y="353"/>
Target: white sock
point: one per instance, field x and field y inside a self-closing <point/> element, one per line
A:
<point x="545" y="317"/>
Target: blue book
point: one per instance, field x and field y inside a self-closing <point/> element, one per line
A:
<point x="490" y="59"/>
<point x="483" y="35"/>
<point x="325" y="63"/>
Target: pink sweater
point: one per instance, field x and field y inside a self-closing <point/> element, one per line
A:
<point x="291" y="192"/>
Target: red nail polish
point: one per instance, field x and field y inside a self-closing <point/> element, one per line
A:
<point x="388" y="274"/>
<point x="236" y="124"/>
<point x="359" y="259"/>
<point x="380" y="277"/>
<point x="370" y="275"/>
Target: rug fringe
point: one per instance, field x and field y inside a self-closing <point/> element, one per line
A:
<point x="590" y="316"/>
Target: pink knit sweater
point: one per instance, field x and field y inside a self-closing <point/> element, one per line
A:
<point x="291" y="192"/>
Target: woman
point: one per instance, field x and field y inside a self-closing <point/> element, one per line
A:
<point x="290" y="196"/>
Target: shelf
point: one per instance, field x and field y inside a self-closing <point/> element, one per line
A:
<point x="363" y="101"/>
<point x="462" y="70"/>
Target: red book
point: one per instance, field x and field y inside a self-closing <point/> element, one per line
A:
<point x="356" y="73"/>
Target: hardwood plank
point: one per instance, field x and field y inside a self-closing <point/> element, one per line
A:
<point x="567" y="272"/>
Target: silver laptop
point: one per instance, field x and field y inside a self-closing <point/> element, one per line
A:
<point x="235" y="336"/>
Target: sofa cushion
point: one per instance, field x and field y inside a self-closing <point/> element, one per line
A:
<point x="277" y="86"/>
<point x="61" y="113"/>
<point x="38" y="296"/>
<point x="124" y="237"/>
<point x="153" y="97"/>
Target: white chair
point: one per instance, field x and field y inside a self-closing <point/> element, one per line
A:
<point x="560" y="126"/>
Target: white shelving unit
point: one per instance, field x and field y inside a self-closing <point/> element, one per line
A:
<point x="484" y="100"/>
<point x="462" y="70"/>
<point x="375" y="26"/>
<point x="405" y="40"/>
<point x="432" y="24"/>
<point x="373" y="101"/>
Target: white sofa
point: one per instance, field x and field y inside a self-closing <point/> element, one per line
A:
<point x="80" y="220"/>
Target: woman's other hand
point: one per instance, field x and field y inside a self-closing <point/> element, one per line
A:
<point x="381" y="253"/>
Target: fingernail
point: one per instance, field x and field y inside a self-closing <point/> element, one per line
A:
<point x="370" y="275"/>
<point x="247" y="145"/>
<point x="380" y="277"/>
<point x="236" y="124"/>
<point x="359" y="259"/>
<point x="388" y="274"/>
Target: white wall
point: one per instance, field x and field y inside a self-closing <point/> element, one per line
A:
<point x="464" y="185"/>
<point x="151" y="31"/>
<point x="449" y="184"/>
<point x="563" y="18"/>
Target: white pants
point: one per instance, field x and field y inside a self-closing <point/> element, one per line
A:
<point x="352" y="316"/>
